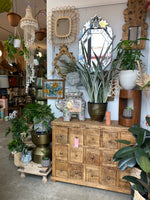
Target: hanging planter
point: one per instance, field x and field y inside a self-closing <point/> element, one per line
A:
<point x="5" y="5"/>
<point x="39" y="35"/>
<point x="13" y="19"/>
<point x="44" y="31"/>
<point x="17" y="43"/>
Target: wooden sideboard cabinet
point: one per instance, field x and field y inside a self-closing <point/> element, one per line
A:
<point x="82" y="153"/>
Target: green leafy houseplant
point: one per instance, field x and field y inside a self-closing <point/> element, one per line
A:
<point x="35" y="113"/>
<point x="126" y="55"/>
<point x="137" y="155"/>
<point x="18" y="126"/>
<point x="12" y="51"/>
<point x="96" y="79"/>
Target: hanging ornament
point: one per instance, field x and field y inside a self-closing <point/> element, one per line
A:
<point x="29" y="26"/>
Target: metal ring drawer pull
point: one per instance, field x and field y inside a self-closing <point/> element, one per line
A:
<point x="108" y="177"/>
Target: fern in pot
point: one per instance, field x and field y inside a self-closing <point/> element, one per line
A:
<point x="97" y="81"/>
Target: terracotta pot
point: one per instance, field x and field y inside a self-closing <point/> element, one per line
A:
<point x="13" y="19"/>
<point x="39" y="35"/>
<point x="97" y="111"/>
<point x="44" y="31"/>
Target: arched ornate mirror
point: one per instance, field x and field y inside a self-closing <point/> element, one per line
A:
<point x="96" y="36"/>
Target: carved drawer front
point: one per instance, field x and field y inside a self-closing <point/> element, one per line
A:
<point x="123" y="183"/>
<point x="127" y="136"/>
<point x="92" y="174"/>
<point x="92" y="137"/>
<point x="109" y="176"/>
<point x="76" y="137"/>
<point x="109" y="140"/>
<point x="76" y="171"/>
<point x="61" y="135"/>
<point x="92" y="156"/>
<point x="76" y="154"/>
<point x="107" y="158"/>
<point x="61" y="169"/>
<point x="61" y="152"/>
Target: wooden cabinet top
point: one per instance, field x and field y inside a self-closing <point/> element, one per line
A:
<point x="88" y="123"/>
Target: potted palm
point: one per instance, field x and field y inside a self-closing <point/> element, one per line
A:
<point x="128" y="55"/>
<point x="97" y="81"/>
<point x="137" y="155"/>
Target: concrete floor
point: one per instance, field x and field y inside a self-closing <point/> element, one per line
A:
<point x="12" y="187"/>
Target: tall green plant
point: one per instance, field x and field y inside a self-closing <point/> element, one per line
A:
<point x="18" y="126"/>
<point x="96" y="79"/>
<point x="136" y="155"/>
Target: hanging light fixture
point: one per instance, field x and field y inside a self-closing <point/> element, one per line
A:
<point x="29" y="26"/>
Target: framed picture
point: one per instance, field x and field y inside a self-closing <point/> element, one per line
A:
<point x="54" y="88"/>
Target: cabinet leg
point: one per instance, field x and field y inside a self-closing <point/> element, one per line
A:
<point x="44" y="180"/>
<point x="22" y="175"/>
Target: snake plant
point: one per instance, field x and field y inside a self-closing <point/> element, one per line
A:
<point x="96" y="78"/>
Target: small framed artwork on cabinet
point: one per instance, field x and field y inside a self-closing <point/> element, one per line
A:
<point x="53" y="89"/>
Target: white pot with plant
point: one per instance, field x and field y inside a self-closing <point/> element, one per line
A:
<point x="17" y="43"/>
<point x="128" y="67"/>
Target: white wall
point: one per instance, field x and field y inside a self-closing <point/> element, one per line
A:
<point x="113" y="14"/>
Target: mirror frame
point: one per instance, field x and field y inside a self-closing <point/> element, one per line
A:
<point x="70" y="13"/>
<point x="69" y="32"/>
<point x="134" y="16"/>
<point x="63" y="51"/>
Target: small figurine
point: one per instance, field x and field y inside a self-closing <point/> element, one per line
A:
<point x="73" y="102"/>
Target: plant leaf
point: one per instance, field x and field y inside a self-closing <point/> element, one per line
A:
<point x="142" y="159"/>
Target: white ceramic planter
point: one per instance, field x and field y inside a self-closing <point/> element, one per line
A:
<point x="127" y="79"/>
<point x="17" y="43"/>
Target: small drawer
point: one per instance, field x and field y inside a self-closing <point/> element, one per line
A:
<point x="123" y="183"/>
<point x="107" y="158"/>
<point x="92" y="156"/>
<point x="127" y="136"/>
<point x="75" y="133"/>
<point x="61" y="135"/>
<point x="61" y="152"/>
<point x="76" y="171"/>
<point x="109" y="176"/>
<point x="92" y="174"/>
<point x="109" y="140"/>
<point x="93" y="137"/>
<point x="76" y="155"/>
<point x="61" y="169"/>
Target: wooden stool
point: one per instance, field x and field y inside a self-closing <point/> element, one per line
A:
<point x="125" y="95"/>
